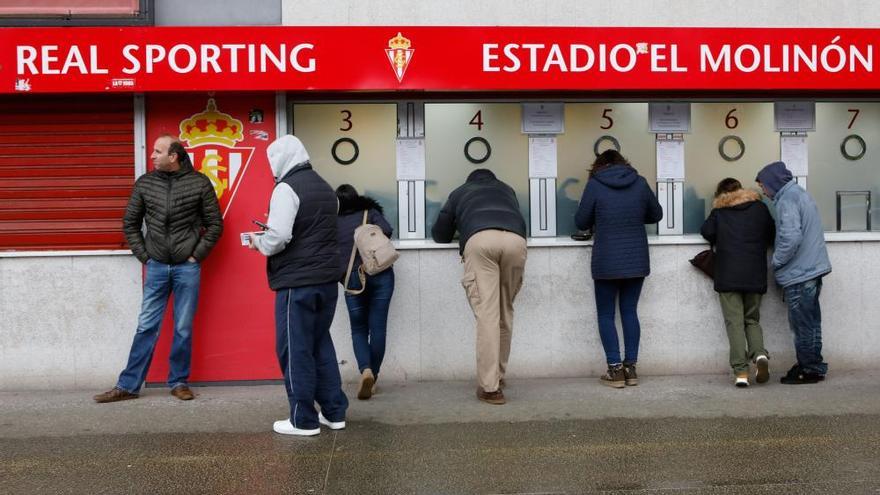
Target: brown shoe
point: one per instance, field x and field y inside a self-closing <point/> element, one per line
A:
<point x="496" y="397"/>
<point x="114" y="395"/>
<point x="630" y="375"/>
<point x="367" y="380"/>
<point x="182" y="392"/>
<point x="614" y="377"/>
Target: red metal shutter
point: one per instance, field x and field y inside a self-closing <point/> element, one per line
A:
<point x="66" y="171"/>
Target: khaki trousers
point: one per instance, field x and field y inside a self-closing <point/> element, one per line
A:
<point x="494" y="262"/>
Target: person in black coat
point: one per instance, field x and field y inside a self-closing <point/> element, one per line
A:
<point x="617" y="204"/>
<point x="367" y="311"/>
<point x="740" y="228"/>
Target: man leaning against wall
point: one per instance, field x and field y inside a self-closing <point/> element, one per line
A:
<point x="183" y="223"/>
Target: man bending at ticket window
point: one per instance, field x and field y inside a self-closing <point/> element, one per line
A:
<point x="183" y="223"/>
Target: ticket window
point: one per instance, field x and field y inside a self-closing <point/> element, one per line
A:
<point x="844" y="164"/>
<point x="726" y="140"/>
<point x="456" y="138"/>
<point x="353" y="144"/>
<point x="592" y="127"/>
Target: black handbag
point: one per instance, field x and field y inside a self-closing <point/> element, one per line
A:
<point x="705" y="261"/>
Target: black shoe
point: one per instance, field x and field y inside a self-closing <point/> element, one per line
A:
<point x="797" y="376"/>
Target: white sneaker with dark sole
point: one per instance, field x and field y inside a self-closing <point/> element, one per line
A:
<point x="741" y="382"/>
<point x="763" y="372"/>
<point x="333" y="425"/>
<point x="285" y="427"/>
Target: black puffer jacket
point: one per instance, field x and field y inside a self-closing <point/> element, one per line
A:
<point x="351" y="216"/>
<point x="182" y="215"/>
<point x="741" y="228"/>
<point x="483" y="202"/>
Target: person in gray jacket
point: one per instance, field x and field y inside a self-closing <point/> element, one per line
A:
<point x="799" y="262"/>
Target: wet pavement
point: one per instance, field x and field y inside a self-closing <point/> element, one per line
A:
<point x="433" y="438"/>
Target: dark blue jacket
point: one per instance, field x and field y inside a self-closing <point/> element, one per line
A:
<point x="351" y="217"/>
<point x="311" y="257"/>
<point x="616" y="205"/>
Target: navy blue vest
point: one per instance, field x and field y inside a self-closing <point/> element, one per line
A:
<point x="312" y="256"/>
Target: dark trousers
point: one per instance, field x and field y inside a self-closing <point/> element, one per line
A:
<point x="368" y="313"/>
<point x="805" y="320"/>
<point x="627" y="292"/>
<point x="306" y="354"/>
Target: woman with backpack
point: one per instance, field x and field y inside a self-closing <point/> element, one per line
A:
<point x="617" y="204"/>
<point x="741" y="229"/>
<point x="367" y="303"/>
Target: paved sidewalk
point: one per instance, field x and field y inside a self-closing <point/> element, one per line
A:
<point x="670" y="435"/>
<point x="254" y="408"/>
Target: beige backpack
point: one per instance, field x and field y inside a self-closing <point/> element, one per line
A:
<point x="376" y="250"/>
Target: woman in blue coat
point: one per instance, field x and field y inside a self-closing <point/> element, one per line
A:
<point x="367" y="311"/>
<point x="617" y="204"/>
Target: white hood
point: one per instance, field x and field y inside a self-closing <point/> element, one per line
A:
<point x="285" y="153"/>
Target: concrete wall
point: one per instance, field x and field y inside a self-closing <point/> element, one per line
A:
<point x="703" y="13"/>
<point x="68" y="321"/>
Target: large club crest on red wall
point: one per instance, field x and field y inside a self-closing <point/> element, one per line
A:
<point x="210" y="138"/>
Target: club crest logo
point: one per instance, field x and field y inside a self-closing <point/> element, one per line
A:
<point x="210" y="138"/>
<point x="399" y="54"/>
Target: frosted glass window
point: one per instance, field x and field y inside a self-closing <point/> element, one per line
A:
<point x="585" y="123"/>
<point x="752" y="123"/>
<point x="373" y="127"/>
<point x="831" y="172"/>
<point x="449" y="126"/>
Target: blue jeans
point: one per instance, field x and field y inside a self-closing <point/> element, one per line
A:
<point x="368" y="312"/>
<point x="805" y="320"/>
<point x="162" y="280"/>
<point x="627" y="290"/>
<point x="306" y="355"/>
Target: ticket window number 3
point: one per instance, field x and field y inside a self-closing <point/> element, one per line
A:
<point x="345" y="142"/>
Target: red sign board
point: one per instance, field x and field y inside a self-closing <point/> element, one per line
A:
<point x="226" y="135"/>
<point x="436" y="59"/>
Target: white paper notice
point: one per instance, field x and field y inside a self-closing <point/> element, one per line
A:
<point x="543" y="118"/>
<point x="670" y="160"/>
<point x="670" y="117"/>
<point x="794" y="155"/>
<point x="411" y="159"/>
<point x="795" y="115"/>
<point x="542" y="157"/>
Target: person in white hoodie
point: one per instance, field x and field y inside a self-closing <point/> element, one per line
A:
<point x="303" y="270"/>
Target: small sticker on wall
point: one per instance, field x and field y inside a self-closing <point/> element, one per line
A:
<point x="23" y="85"/>
<point x="261" y="135"/>
<point x="255" y="116"/>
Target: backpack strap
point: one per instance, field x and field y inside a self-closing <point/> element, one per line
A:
<point x="351" y="264"/>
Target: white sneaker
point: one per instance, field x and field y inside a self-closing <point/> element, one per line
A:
<point x="763" y="369"/>
<point x="285" y="427"/>
<point x="741" y="381"/>
<point x="333" y="425"/>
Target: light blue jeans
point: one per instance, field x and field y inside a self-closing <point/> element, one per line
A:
<point x="162" y="280"/>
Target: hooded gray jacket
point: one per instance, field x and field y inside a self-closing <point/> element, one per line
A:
<point x="800" y="253"/>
